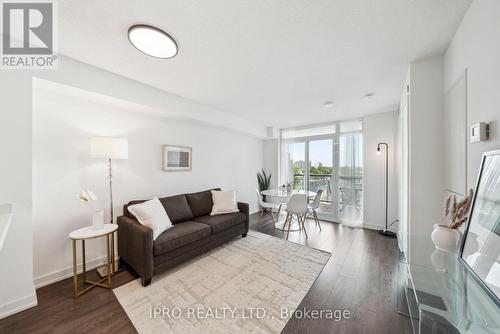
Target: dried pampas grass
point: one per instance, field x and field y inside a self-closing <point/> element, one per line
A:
<point x="456" y="212"/>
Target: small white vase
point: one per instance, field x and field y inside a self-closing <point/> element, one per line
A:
<point x="98" y="219"/>
<point x="446" y="239"/>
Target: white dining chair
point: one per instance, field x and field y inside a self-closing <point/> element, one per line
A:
<point x="269" y="206"/>
<point x="297" y="206"/>
<point x="311" y="208"/>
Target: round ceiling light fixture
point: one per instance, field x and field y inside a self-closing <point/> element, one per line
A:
<point x="369" y="96"/>
<point x="152" y="41"/>
<point x="328" y="104"/>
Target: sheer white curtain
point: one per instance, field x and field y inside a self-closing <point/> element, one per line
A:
<point x="351" y="173"/>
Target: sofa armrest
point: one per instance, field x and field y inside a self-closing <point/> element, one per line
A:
<point x="245" y="208"/>
<point x="135" y="246"/>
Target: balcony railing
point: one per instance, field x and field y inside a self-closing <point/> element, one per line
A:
<point x="351" y="187"/>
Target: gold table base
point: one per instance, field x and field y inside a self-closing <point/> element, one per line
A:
<point x="109" y="265"/>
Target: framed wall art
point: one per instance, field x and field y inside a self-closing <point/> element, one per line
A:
<point x="176" y="158"/>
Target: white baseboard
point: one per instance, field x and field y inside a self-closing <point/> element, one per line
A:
<point x="18" y="305"/>
<point x="59" y="275"/>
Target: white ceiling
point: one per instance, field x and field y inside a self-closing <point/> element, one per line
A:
<point x="272" y="61"/>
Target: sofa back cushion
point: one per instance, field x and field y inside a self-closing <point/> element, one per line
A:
<point x="182" y="208"/>
<point x="126" y="213"/>
<point x="200" y="202"/>
<point x="153" y="215"/>
<point x="177" y="208"/>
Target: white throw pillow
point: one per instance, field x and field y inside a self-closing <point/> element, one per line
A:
<point x="224" y="202"/>
<point x="153" y="215"/>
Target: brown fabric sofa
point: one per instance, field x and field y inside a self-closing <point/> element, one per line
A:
<point x="194" y="232"/>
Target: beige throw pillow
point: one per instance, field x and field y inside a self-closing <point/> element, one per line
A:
<point x="224" y="202"/>
<point x="153" y="215"/>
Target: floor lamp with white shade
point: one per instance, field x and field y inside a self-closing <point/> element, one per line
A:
<point x="109" y="148"/>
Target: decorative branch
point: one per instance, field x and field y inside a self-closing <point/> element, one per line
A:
<point x="458" y="214"/>
<point x="447" y="206"/>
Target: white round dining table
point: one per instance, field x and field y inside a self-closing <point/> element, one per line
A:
<point x="281" y="197"/>
<point x="284" y="195"/>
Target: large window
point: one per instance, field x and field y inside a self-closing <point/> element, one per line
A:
<point x="327" y="157"/>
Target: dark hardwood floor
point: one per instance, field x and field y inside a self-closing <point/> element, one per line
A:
<point x="97" y="311"/>
<point x="361" y="276"/>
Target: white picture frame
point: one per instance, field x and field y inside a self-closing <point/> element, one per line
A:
<point x="177" y="158"/>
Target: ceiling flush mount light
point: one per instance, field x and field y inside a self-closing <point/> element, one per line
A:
<point x="152" y="41"/>
<point x="328" y="104"/>
<point x="368" y="96"/>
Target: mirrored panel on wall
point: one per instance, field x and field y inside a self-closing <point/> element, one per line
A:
<point x="481" y="246"/>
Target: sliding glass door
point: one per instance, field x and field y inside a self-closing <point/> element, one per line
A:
<point x="326" y="157"/>
<point x="297" y="163"/>
<point x="320" y="174"/>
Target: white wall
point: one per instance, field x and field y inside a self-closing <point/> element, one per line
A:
<point x="62" y="126"/>
<point x="378" y="128"/>
<point x="426" y="144"/>
<point x="426" y="155"/>
<point x="16" y="279"/>
<point x="270" y="158"/>
<point x="476" y="47"/>
<point x="16" y="261"/>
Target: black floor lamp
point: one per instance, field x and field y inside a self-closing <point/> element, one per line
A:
<point x="386" y="231"/>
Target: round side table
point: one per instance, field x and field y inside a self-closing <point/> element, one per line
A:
<point x="87" y="233"/>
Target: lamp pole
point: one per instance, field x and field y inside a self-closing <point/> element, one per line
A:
<point x="386" y="231"/>
<point x="113" y="262"/>
<point x="109" y="148"/>
<point x="111" y="191"/>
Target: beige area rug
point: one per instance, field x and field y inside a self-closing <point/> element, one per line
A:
<point x="249" y="285"/>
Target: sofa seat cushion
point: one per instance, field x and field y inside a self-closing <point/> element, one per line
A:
<point x="222" y="222"/>
<point x="179" y="235"/>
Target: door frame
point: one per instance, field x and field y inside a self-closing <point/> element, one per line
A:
<point x="404" y="177"/>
